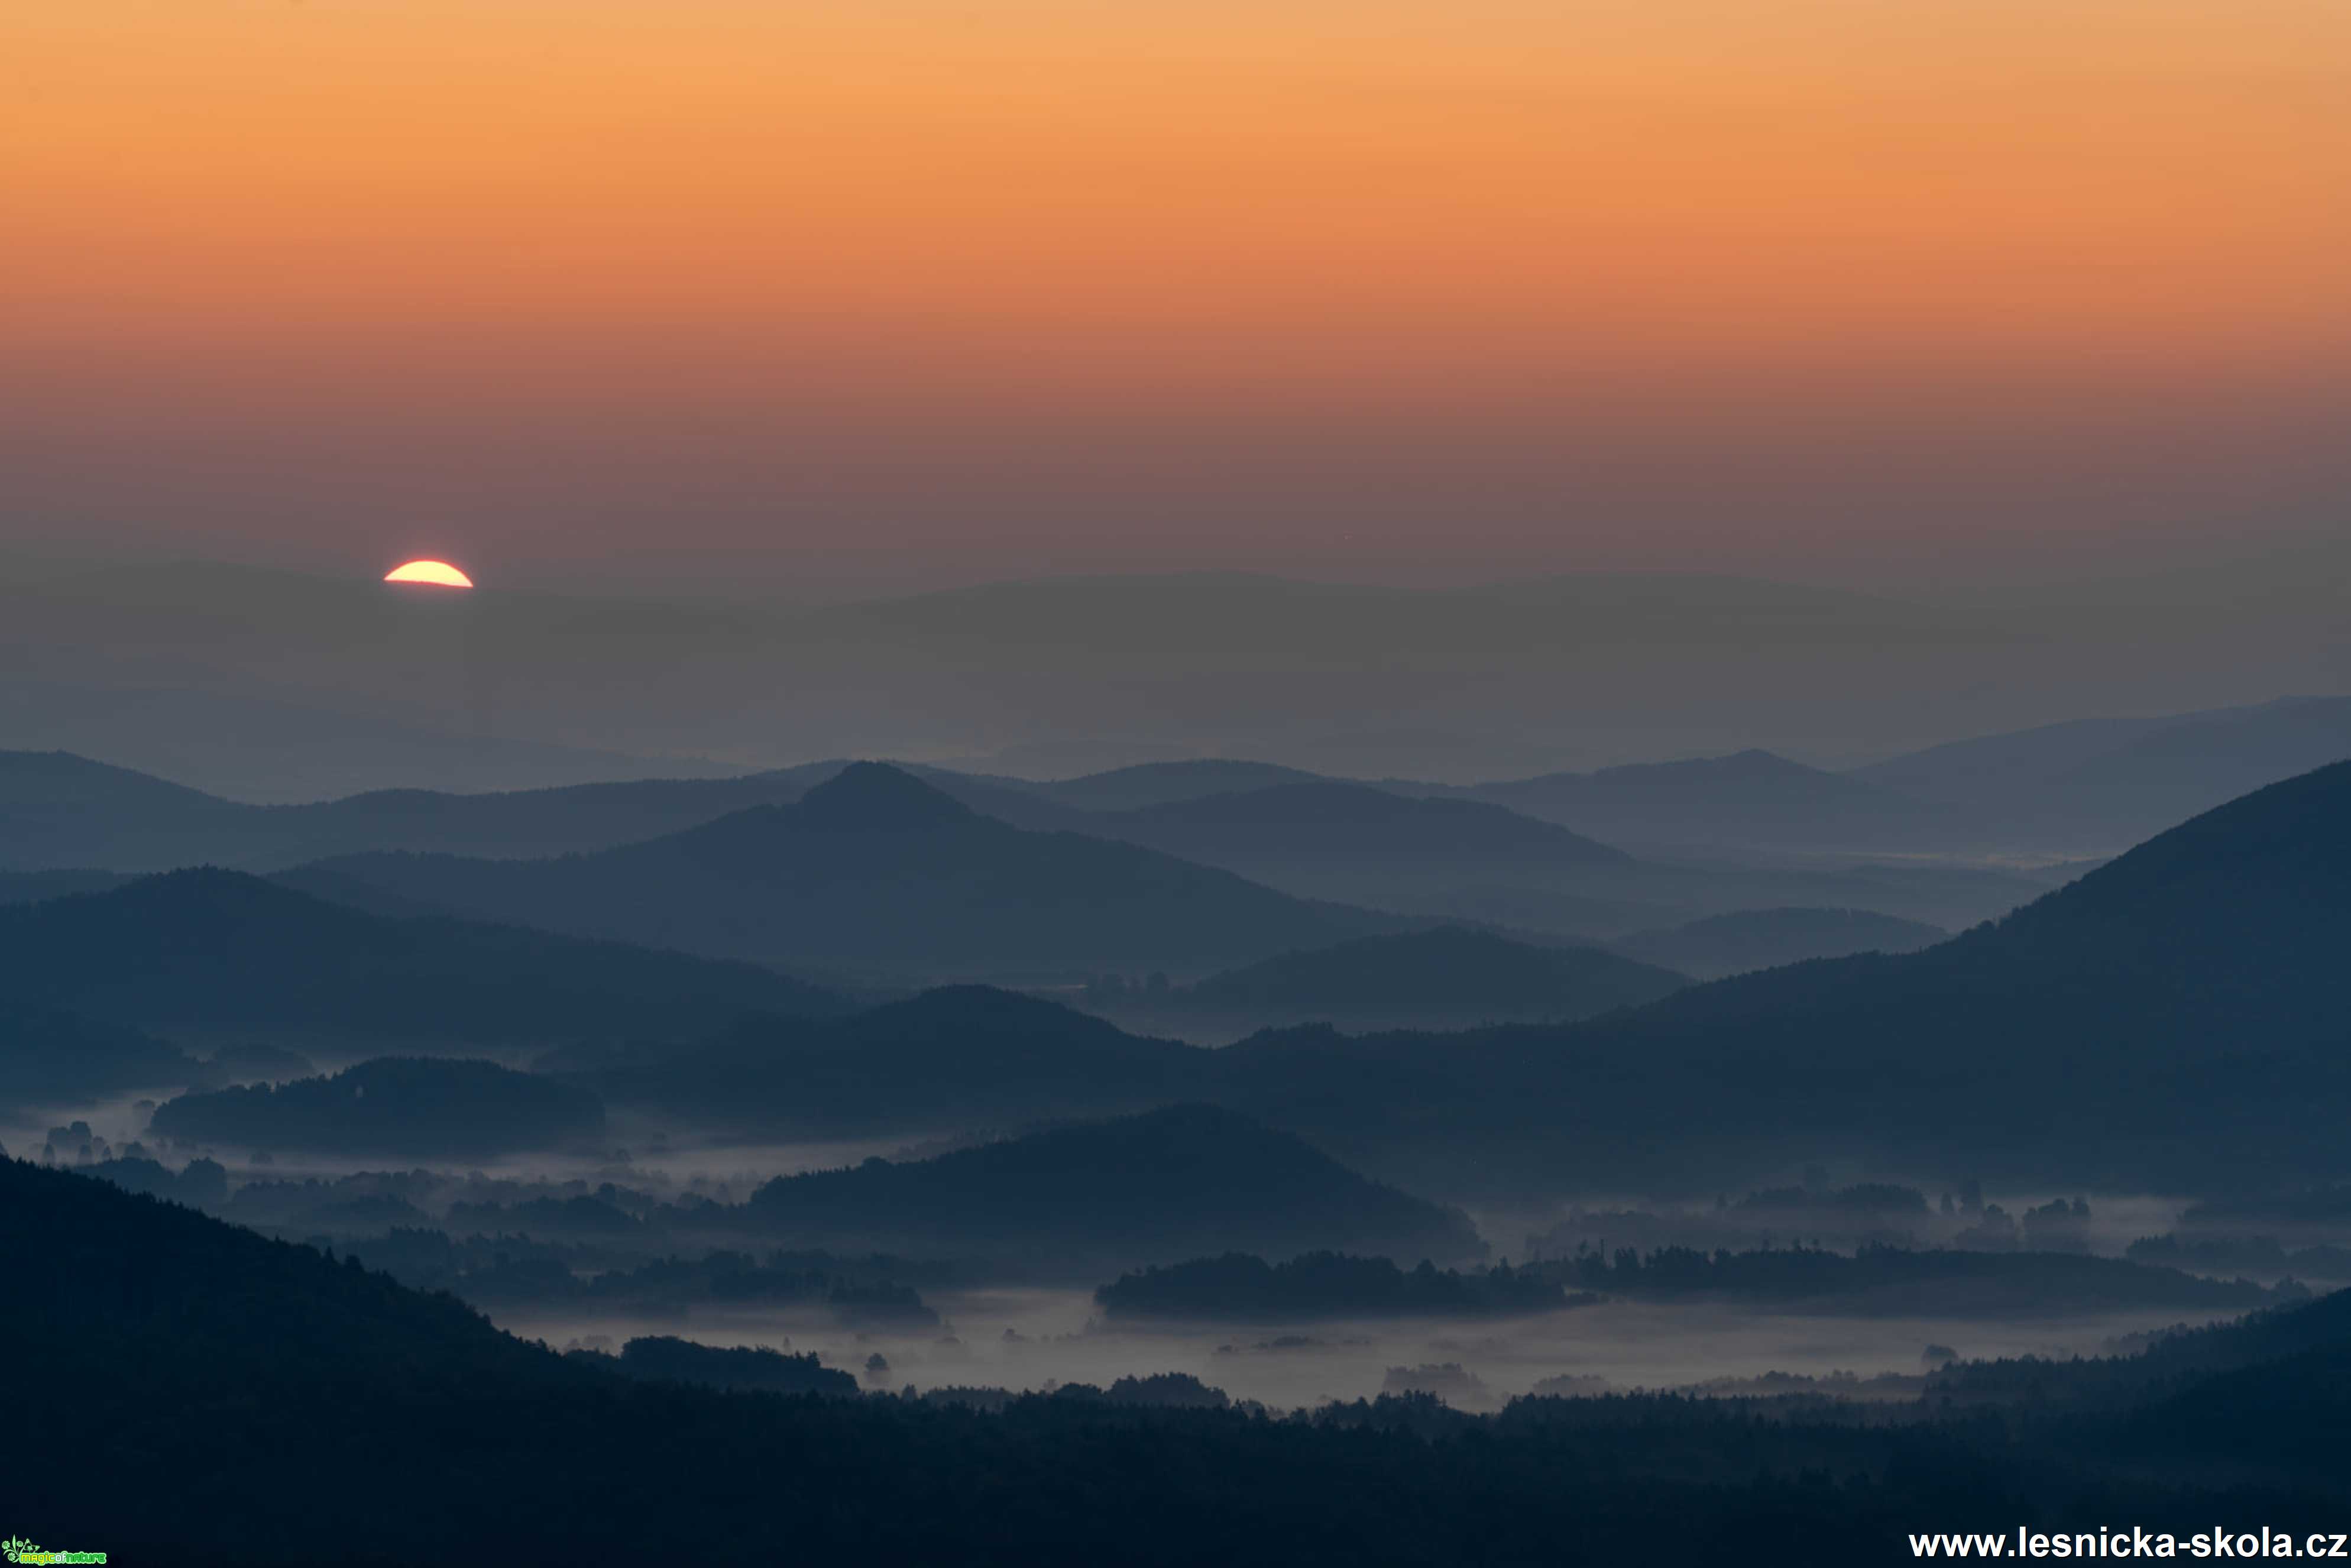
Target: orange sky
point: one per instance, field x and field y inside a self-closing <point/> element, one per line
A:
<point x="225" y="218"/>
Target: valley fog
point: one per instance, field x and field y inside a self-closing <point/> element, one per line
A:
<point x="1034" y="1324"/>
<point x="1037" y="1339"/>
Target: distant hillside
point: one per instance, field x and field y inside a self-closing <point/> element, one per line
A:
<point x="221" y="948"/>
<point x="51" y="1058"/>
<point x="1343" y="823"/>
<point x="876" y="868"/>
<point x="59" y="782"/>
<point x="1149" y="784"/>
<point x="1412" y="848"/>
<point x="2192" y="981"/>
<point x="525" y="823"/>
<point x="1749" y="798"/>
<point x="960" y="1056"/>
<point x="1167" y="1184"/>
<point x="1445" y="977"/>
<point x="1765" y="938"/>
<point x="1446" y="855"/>
<point x="32" y="886"/>
<point x="2094" y="784"/>
<point x="1362" y="844"/>
<point x="60" y="811"/>
<point x="394" y="1107"/>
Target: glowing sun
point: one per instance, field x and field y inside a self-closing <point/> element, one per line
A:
<point x="439" y="573"/>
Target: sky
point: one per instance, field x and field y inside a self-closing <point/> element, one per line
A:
<point x="756" y="291"/>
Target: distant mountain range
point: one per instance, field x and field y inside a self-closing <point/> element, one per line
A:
<point x="61" y="811"/>
<point x="2189" y="982"/>
<point x="1750" y="798"/>
<point x="1746" y="831"/>
<point x="1360" y="843"/>
<point x="876" y="868"/>
<point x="1146" y="785"/>
<point x="2192" y="982"/>
<point x="2107" y="782"/>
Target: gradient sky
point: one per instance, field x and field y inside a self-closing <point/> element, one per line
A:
<point x="1822" y="287"/>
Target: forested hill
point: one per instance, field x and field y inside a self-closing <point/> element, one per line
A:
<point x="205" y="1397"/>
<point x="1165" y="1183"/>
<point x="219" y="947"/>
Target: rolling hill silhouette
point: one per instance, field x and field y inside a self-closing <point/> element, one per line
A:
<point x="1148" y="784"/>
<point x="2095" y="783"/>
<point x="59" y="812"/>
<point x="876" y="868"/>
<point x="1411" y="847"/>
<point x="958" y="1056"/>
<point x="1328" y="820"/>
<point x="2191" y="983"/>
<point x="221" y="948"/>
<point x="395" y="1106"/>
<point x="1162" y="1184"/>
<point x="1445" y="854"/>
<point x="1750" y="798"/>
<point x="52" y="1058"/>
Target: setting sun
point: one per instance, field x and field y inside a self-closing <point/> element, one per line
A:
<point x="439" y="573"/>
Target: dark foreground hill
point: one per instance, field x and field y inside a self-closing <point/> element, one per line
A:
<point x="1167" y="1184"/>
<point x="220" y="948"/>
<point x="202" y="1395"/>
<point x="875" y="867"/>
